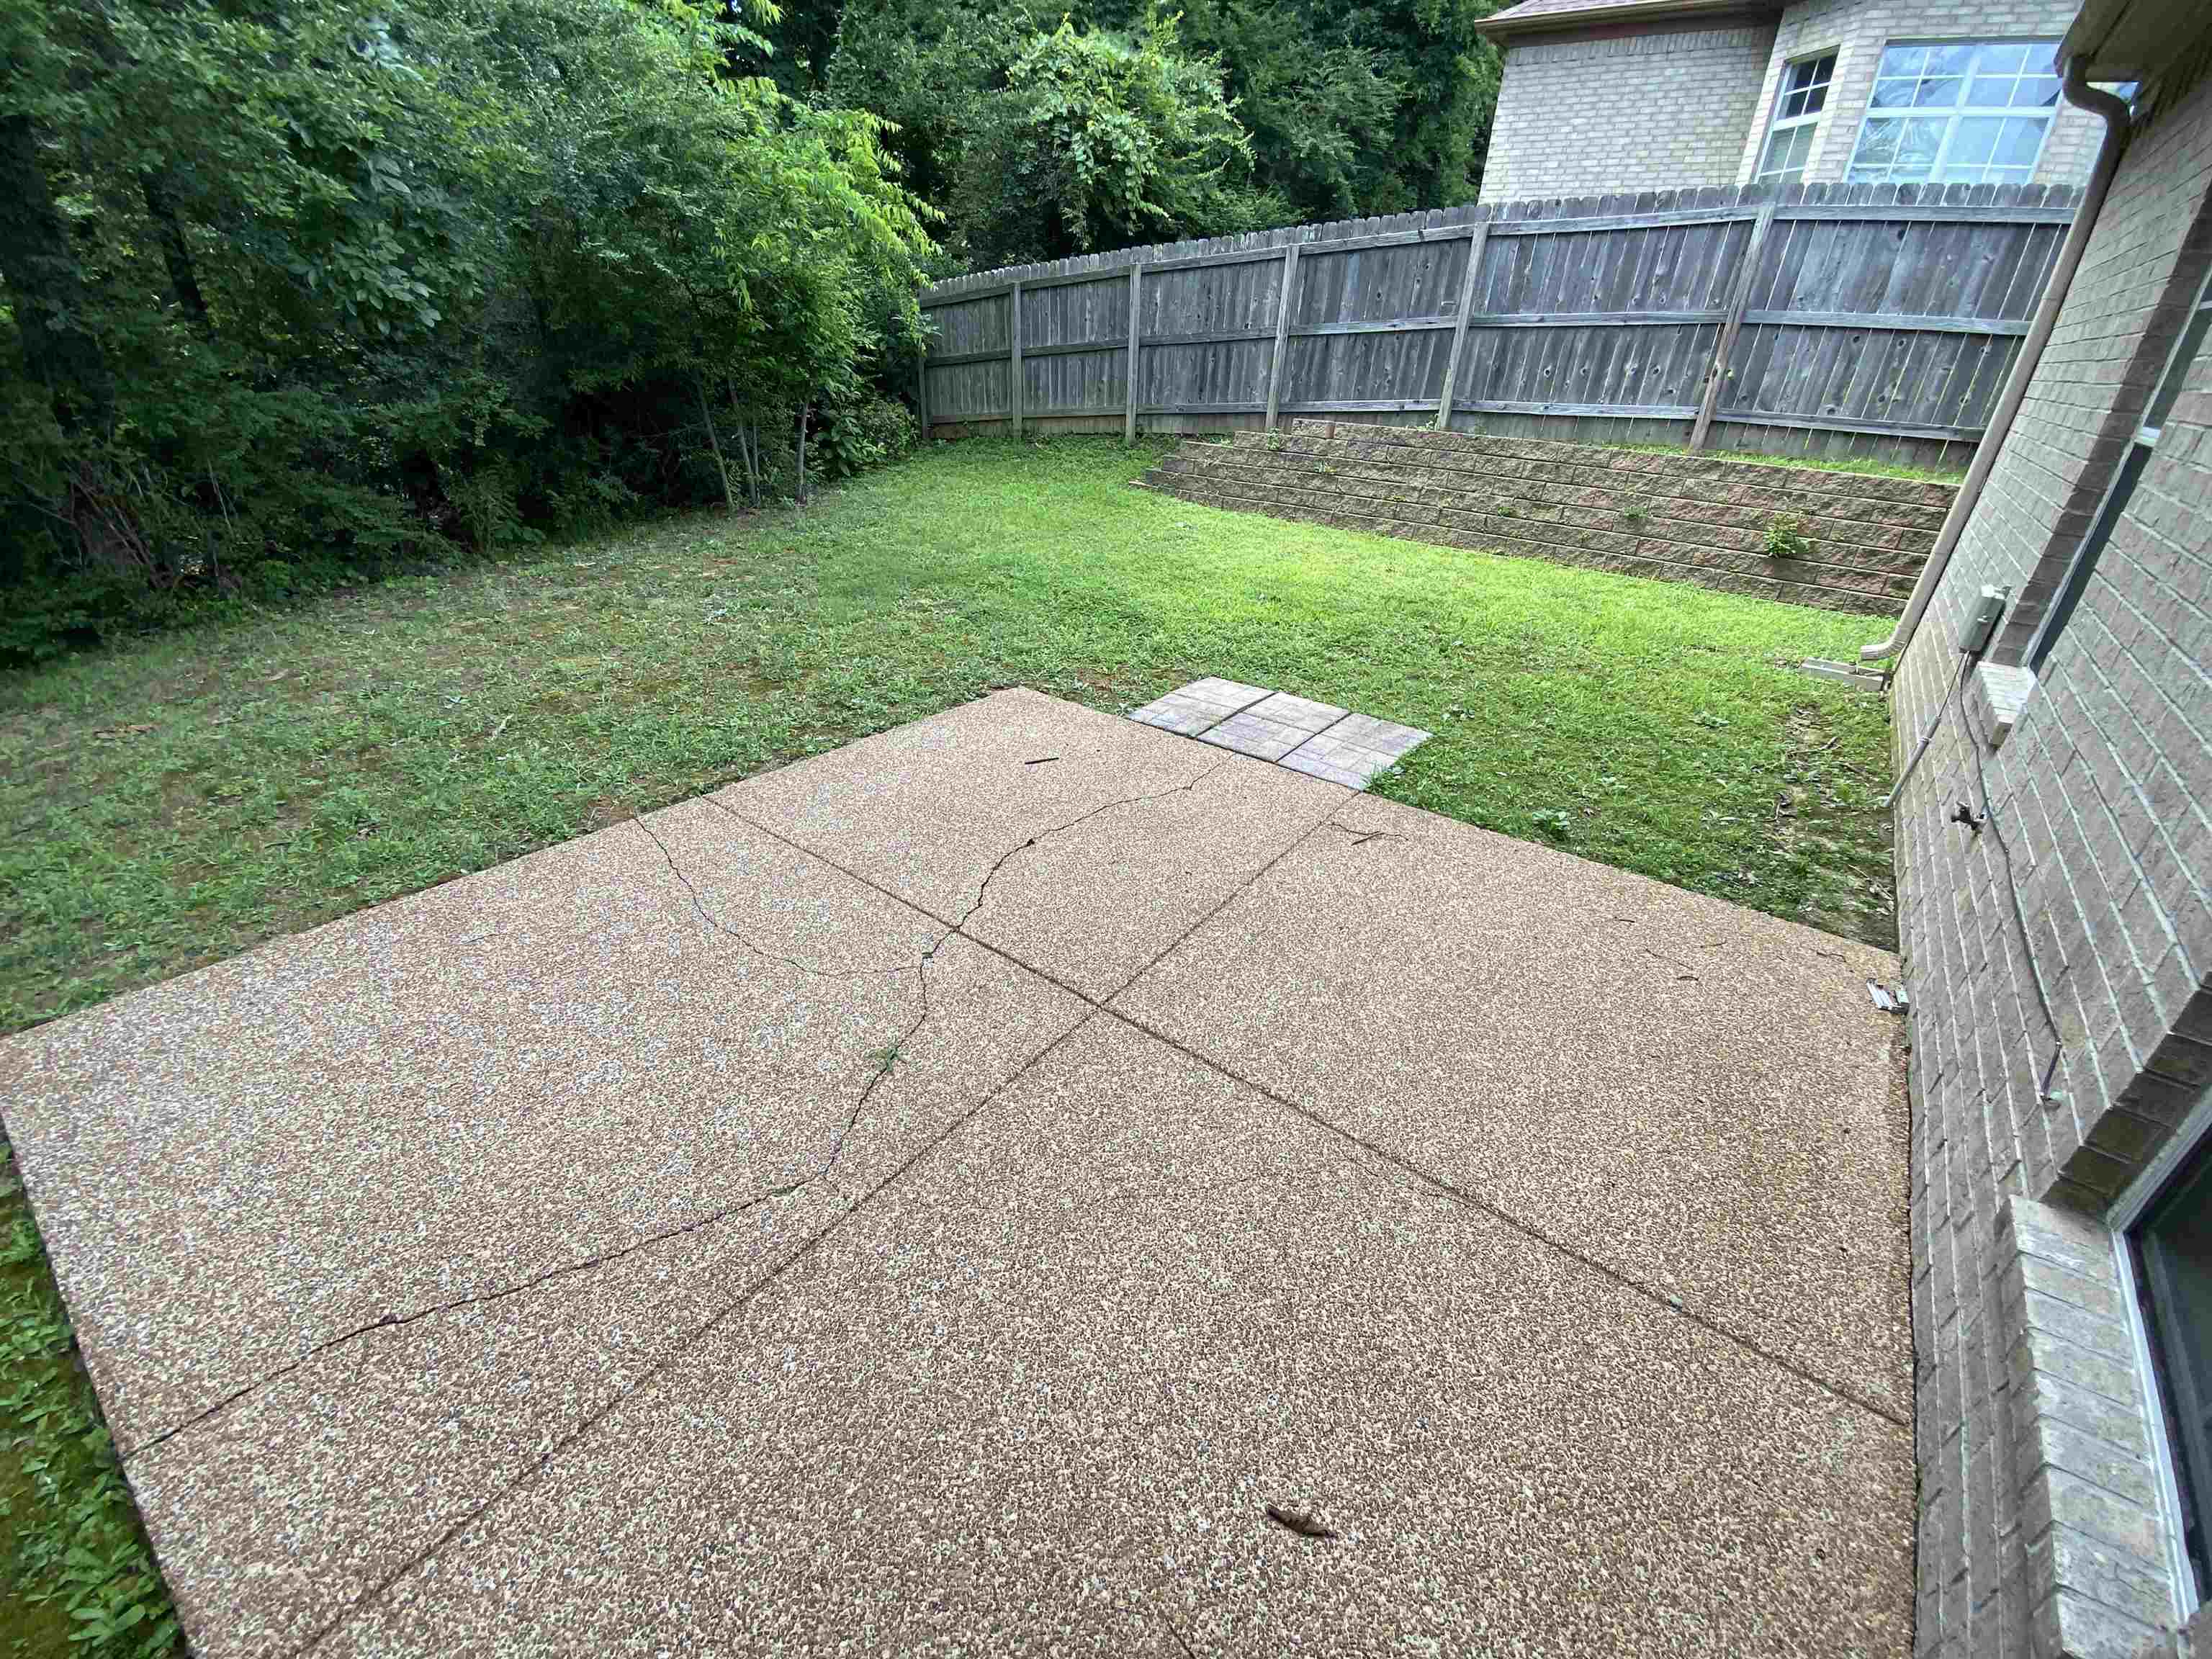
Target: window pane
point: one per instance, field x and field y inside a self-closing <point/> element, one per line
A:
<point x="2036" y="91"/>
<point x="1955" y="58"/>
<point x="1919" y="143"/>
<point x="2042" y="58"/>
<point x="1939" y="93"/>
<point x="1999" y="59"/>
<point x="1786" y="153"/>
<point x="1878" y="143"/>
<point x="1983" y="93"/>
<point x="1892" y="95"/>
<point x="1903" y="62"/>
<point x="2017" y="144"/>
<point x="1974" y="141"/>
<point x="2174" y="1246"/>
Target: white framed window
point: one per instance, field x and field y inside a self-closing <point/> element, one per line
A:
<point x="1958" y="111"/>
<point x="1800" y="100"/>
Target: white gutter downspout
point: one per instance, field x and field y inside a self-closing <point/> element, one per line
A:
<point x="2114" y="110"/>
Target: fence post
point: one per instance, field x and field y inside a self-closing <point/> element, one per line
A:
<point x="922" y="381"/>
<point x="1475" y="244"/>
<point x="1282" y="333"/>
<point x="1726" y="341"/>
<point x="1014" y="357"/>
<point x="1136" y="299"/>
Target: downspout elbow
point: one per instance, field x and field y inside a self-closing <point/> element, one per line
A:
<point x="2114" y="112"/>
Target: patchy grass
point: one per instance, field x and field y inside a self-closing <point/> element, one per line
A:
<point x="179" y="800"/>
<point x="1865" y="465"/>
<point x="175" y="802"/>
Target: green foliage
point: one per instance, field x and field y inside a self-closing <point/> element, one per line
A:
<point x="1788" y="537"/>
<point x="75" y="1560"/>
<point x="1344" y="109"/>
<point x="1101" y="140"/>
<point x="297" y="296"/>
<point x="865" y="434"/>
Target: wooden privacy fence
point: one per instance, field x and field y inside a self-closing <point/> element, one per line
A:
<point x="1818" y="318"/>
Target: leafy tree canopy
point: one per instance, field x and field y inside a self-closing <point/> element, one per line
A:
<point x="291" y="291"/>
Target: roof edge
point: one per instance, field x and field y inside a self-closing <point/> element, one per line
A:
<point x="1505" y="25"/>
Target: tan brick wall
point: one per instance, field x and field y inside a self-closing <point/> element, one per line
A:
<point x="1615" y="109"/>
<point x="1687" y="104"/>
<point x="2100" y="796"/>
<point x="1856" y="31"/>
<point x="1676" y="517"/>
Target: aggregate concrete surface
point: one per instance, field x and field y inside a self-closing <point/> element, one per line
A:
<point x="940" y="1196"/>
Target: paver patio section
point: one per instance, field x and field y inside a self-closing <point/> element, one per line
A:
<point x="1317" y="738"/>
<point x="935" y="1197"/>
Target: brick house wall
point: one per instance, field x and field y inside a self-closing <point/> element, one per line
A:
<point x="1573" y="109"/>
<point x="1670" y="104"/>
<point x="2039" y="1532"/>
<point x="1856" y="30"/>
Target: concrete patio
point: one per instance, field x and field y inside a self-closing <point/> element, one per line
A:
<point x="939" y="1196"/>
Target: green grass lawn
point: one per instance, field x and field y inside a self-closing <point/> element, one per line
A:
<point x="176" y="800"/>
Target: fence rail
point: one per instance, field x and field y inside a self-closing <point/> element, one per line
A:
<point x="1818" y="318"/>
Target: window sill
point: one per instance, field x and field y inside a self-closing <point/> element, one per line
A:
<point x="2100" y="1563"/>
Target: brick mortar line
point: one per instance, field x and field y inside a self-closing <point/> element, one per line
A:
<point x="1744" y="1343"/>
<point x="1896" y="570"/>
<point x="1910" y="492"/>
<point x="1863" y="486"/>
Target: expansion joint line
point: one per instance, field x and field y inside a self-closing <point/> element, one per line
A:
<point x="774" y="1194"/>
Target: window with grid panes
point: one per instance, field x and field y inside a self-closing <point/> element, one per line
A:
<point x="1798" y="104"/>
<point x="1958" y="111"/>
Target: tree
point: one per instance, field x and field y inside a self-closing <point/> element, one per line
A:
<point x="1099" y="140"/>
<point x="291" y="291"/>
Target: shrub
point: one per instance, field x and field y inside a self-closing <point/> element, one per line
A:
<point x="1787" y="537"/>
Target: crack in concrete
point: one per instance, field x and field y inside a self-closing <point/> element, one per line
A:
<point x="555" y="1448"/>
<point x="606" y="1258"/>
<point x="720" y="927"/>
<point x="983" y="891"/>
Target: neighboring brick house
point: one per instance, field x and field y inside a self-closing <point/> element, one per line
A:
<point x="1654" y="95"/>
<point x="2054" y="899"/>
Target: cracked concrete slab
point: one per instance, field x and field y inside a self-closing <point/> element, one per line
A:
<point x="482" y="1084"/>
<point x="1039" y="1394"/>
<point x="1693" y="1095"/>
<point x="273" y="1515"/>
<point x="1084" y="865"/>
<point x="687" y="1239"/>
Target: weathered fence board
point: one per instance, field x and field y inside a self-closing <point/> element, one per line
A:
<point x="1867" y="318"/>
